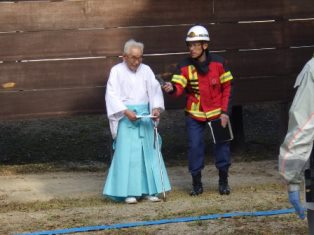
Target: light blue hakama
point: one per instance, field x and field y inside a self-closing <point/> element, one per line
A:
<point x="135" y="169"/>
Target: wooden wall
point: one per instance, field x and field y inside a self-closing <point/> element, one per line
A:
<point x="56" y="55"/>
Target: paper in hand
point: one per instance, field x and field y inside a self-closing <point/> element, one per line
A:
<point x="146" y="116"/>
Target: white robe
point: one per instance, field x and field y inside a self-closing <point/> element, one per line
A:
<point x="126" y="87"/>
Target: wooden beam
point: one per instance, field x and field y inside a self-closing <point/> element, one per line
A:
<point x="60" y="15"/>
<point x="56" y="74"/>
<point x="91" y="43"/>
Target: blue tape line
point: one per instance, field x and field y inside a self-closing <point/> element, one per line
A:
<point x="163" y="221"/>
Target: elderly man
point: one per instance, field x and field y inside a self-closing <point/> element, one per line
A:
<point x="134" y="102"/>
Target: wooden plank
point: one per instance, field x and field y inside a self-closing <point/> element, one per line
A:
<point x="298" y="57"/>
<point x="36" y="103"/>
<point x="43" y="102"/>
<point x="56" y="74"/>
<point x="72" y="73"/>
<point x="164" y="64"/>
<point x="94" y="72"/>
<point x="268" y="62"/>
<point x="51" y="102"/>
<point x="254" y="63"/>
<point x="246" y="10"/>
<point x="57" y="15"/>
<point x="91" y="100"/>
<point x="298" y="9"/>
<point x="299" y="33"/>
<point x="265" y="89"/>
<point x="85" y="43"/>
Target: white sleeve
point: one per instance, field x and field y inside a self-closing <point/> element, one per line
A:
<point x="114" y="105"/>
<point x="156" y="98"/>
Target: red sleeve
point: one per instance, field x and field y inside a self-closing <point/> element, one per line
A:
<point x="178" y="90"/>
<point x="226" y="96"/>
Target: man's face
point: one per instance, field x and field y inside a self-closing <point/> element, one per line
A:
<point x="134" y="58"/>
<point x="196" y="48"/>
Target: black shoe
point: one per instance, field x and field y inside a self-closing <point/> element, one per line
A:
<point x="223" y="186"/>
<point x="196" y="191"/>
<point x="224" y="189"/>
<point x="197" y="184"/>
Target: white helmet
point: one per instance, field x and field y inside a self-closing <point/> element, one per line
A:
<point x="197" y="33"/>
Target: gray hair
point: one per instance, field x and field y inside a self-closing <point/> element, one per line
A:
<point x="132" y="44"/>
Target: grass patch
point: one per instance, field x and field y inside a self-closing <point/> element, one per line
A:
<point x="37" y="168"/>
<point x="54" y="204"/>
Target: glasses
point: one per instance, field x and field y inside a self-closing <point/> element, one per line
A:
<point x="194" y="44"/>
<point x="134" y="58"/>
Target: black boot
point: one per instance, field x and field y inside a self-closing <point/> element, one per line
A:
<point x="197" y="184"/>
<point x="223" y="187"/>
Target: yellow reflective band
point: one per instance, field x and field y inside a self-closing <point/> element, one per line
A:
<point x="192" y="76"/>
<point x="179" y="79"/>
<point x="196" y="113"/>
<point x="226" y="77"/>
<point x="213" y="113"/>
<point x="195" y="76"/>
<point x="200" y="114"/>
<point x="196" y="105"/>
<point x="190" y="69"/>
<point x="194" y="85"/>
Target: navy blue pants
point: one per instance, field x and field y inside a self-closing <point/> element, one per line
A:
<point x="196" y="148"/>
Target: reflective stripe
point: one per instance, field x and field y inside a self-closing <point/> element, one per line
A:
<point x="193" y="79"/>
<point x="203" y="114"/>
<point x="195" y="107"/>
<point x="213" y="113"/>
<point x="196" y="113"/>
<point x="192" y="74"/>
<point x="190" y="69"/>
<point x="179" y="79"/>
<point x="227" y="76"/>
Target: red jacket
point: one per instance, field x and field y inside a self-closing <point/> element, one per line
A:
<point x="209" y="94"/>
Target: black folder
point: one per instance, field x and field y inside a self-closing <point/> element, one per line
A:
<point x="220" y="134"/>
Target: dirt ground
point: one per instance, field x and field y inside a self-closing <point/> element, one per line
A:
<point x="58" y="200"/>
<point x="71" y="151"/>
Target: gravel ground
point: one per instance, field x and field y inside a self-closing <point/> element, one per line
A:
<point x="52" y="171"/>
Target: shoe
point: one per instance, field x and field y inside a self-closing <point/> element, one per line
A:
<point x="223" y="186"/>
<point x="153" y="198"/>
<point x="197" y="184"/>
<point x="224" y="189"/>
<point x="196" y="191"/>
<point x="130" y="200"/>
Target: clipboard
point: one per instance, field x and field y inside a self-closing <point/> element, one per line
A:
<point x="219" y="133"/>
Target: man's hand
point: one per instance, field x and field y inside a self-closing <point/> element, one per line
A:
<point x="294" y="198"/>
<point x="224" y="119"/>
<point x="167" y="87"/>
<point x="130" y="115"/>
<point x="156" y="113"/>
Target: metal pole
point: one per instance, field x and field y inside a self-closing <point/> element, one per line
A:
<point x="156" y="145"/>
